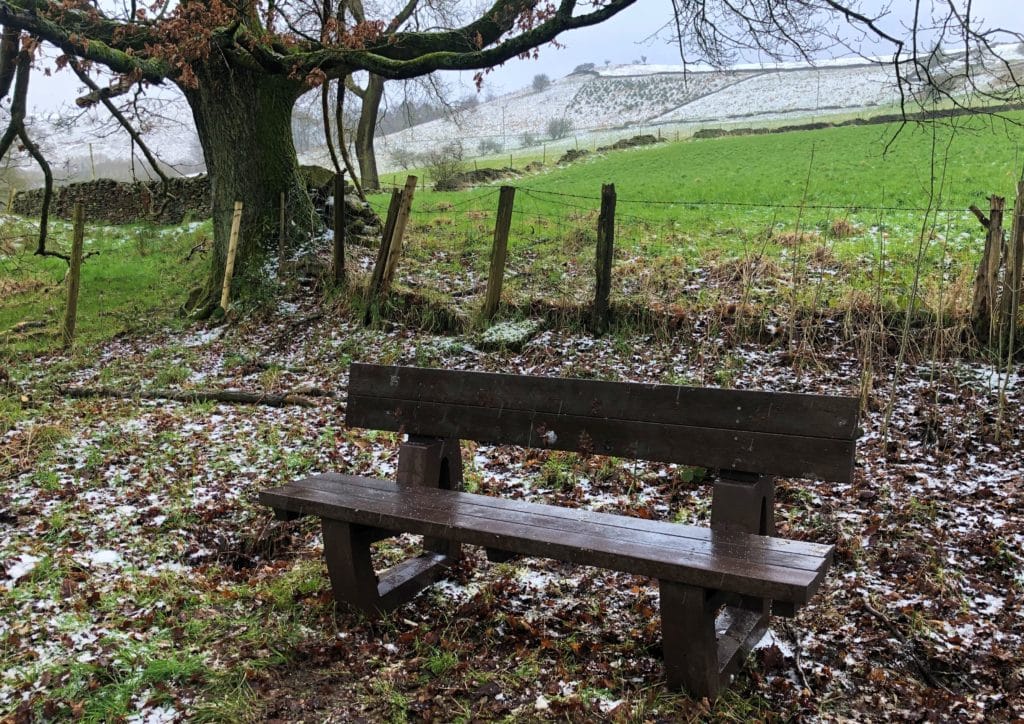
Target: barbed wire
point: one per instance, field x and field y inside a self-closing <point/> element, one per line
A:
<point x="831" y="206"/>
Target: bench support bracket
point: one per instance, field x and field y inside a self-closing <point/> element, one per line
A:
<point x="427" y="461"/>
<point x="704" y="641"/>
<point x="353" y="580"/>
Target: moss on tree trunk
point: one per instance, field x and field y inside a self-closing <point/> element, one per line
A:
<point x="244" y="123"/>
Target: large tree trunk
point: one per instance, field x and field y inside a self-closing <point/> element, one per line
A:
<point x="366" y="130"/>
<point x="244" y="123"/>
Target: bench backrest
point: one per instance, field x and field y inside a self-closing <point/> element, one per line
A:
<point x="795" y="435"/>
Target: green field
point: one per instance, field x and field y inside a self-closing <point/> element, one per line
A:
<point x="825" y="217"/>
<point x="831" y="220"/>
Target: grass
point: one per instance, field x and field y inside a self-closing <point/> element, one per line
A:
<point x="807" y="220"/>
<point x="135" y="279"/>
<point x="672" y="256"/>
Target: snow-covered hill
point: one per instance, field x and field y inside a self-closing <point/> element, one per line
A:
<point x="594" y="106"/>
<point x="598" y="104"/>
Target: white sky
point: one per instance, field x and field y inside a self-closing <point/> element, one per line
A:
<point x="622" y="39"/>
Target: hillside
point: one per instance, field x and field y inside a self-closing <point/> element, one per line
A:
<point x="599" y="102"/>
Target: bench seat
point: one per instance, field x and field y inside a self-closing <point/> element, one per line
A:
<point x="750" y="565"/>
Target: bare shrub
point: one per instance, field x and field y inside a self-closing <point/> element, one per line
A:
<point x="559" y="128"/>
<point x="445" y="164"/>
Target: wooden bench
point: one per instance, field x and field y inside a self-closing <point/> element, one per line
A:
<point x="718" y="585"/>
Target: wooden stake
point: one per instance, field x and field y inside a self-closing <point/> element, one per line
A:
<point x="401" y="221"/>
<point x="506" y="200"/>
<point x="282" y="235"/>
<point x="339" y="228"/>
<point x="10" y="200"/>
<point x="377" y="277"/>
<point x="74" y="276"/>
<point x="605" y="246"/>
<point x="1014" y="267"/>
<point x="986" y="287"/>
<point x="229" y="267"/>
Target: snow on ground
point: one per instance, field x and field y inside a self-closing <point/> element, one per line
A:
<point x="790" y="94"/>
<point x="145" y="506"/>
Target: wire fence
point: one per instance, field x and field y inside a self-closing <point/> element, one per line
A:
<point x="680" y="251"/>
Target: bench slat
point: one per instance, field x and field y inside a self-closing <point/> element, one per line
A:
<point x="451" y="516"/>
<point x="781" y="413"/>
<point x="774" y="551"/>
<point x="787" y="455"/>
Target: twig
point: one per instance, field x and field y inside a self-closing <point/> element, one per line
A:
<point x="908" y="644"/>
<point x="985" y="221"/>
<point x="200" y="247"/>
<point x="795" y="638"/>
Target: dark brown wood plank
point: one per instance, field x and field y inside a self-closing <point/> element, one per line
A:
<point x="786" y="455"/>
<point x="710" y="569"/>
<point x="781" y="545"/>
<point x="672" y="537"/>
<point x="806" y="415"/>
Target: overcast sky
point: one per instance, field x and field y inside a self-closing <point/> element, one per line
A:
<point x="625" y="38"/>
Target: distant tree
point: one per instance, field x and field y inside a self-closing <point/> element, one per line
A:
<point x="528" y="139"/>
<point x="489" y="145"/>
<point x="584" y="68"/>
<point x="541" y="82"/>
<point x="445" y="163"/>
<point x="405" y="157"/>
<point x="559" y="128"/>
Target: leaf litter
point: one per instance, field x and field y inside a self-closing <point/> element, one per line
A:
<point x="140" y="579"/>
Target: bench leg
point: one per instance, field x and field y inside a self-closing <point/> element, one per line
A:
<point x="353" y="580"/>
<point x="702" y="646"/>
<point x="745" y="502"/>
<point x="347" y="550"/>
<point x="688" y="639"/>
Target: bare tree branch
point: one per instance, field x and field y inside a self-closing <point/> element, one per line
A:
<point x="113" y="110"/>
<point x="22" y="66"/>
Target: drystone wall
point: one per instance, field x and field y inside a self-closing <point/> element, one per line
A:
<point x="117" y="202"/>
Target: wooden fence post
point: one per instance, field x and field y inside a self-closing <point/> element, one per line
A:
<point x="377" y="277"/>
<point x="1014" y="267"/>
<point x="339" y="228"/>
<point x="499" y="251"/>
<point x="986" y="286"/>
<point x="229" y="266"/>
<point x="395" y="248"/>
<point x="75" y="275"/>
<point x="605" y="245"/>
<point x="10" y="200"/>
<point x="282" y="234"/>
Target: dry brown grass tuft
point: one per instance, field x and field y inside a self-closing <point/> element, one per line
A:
<point x="823" y="256"/>
<point x="748" y="269"/>
<point x="792" y="238"/>
<point x="842" y="228"/>
<point x="9" y="287"/>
